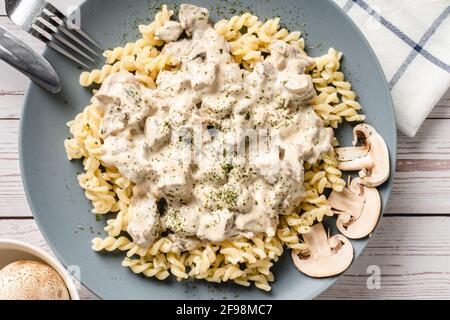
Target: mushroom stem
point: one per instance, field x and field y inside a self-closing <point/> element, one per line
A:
<point x="327" y="256"/>
<point x="359" y="209"/>
<point x="317" y="242"/>
<point x="371" y="157"/>
<point x="347" y="202"/>
<point x="356" y="163"/>
<point x="350" y="153"/>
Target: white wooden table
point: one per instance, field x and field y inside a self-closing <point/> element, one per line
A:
<point x="411" y="246"/>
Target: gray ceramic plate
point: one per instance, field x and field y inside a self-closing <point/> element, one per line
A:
<point x="58" y="203"/>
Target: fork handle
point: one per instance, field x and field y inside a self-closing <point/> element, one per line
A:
<point x="23" y="58"/>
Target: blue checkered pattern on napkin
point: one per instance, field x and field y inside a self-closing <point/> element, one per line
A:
<point x="412" y="41"/>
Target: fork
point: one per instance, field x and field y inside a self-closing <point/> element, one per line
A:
<point x="45" y="22"/>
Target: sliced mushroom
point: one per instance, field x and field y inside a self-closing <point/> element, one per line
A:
<point x="327" y="256"/>
<point x="359" y="209"/>
<point x="371" y="156"/>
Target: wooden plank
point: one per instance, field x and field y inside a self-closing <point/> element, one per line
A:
<point x="12" y="196"/>
<point x="12" y="88"/>
<point x="412" y="253"/>
<point x="11" y="104"/>
<point x="413" y="256"/>
<point x="440" y="112"/>
<point x="431" y="142"/>
<point x="420" y="193"/>
<point x="402" y="278"/>
<point x="423" y="172"/>
<point x="442" y="109"/>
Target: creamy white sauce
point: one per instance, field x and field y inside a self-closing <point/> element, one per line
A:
<point x="226" y="187"/>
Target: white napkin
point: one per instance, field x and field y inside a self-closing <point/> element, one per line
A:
<point x="412" y="41"/>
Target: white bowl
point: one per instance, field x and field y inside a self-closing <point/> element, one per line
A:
<point x="11" y="251"/>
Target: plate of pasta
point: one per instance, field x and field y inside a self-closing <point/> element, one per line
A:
<point x="222" y="150"/>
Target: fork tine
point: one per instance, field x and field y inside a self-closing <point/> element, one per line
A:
<point x="71" y="46"/>
<point x="61" y="26"/>
<point x="64" y="36"/>
<point x="47" y="40"/>
<point x="56" y="47"/>
<point x="52" y="9"/>
<point x="70" y="35"/>
<point x="56" y="37"/>
<point x="84" y="35"/>
<point x="63" y="17"/>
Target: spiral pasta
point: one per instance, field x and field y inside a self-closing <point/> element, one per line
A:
<point x="241" y="260"/>
<point x="335" y="101"/>
<point x="177" y="267"/>
<point x="111" y="244"/>
<point x="250" y="38"/>
<point x="141" y="57"/>
<point x="149" y="32"/>
<point x="155" y="267"/>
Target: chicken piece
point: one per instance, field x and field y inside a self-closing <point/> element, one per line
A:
<point x="201" y="73"/>
<point x="157" y="132"/>
<point x="231" y="196"/>
<point x="170" y="31"/>
<point x="121" y="98"/>
<point x="218" y="107"/>
<point x="191" y="16"/>
<point x="174" y="183"/>
<point x="215" y="226"/>
<point x="183" y="220"/>
<point x="144" y="226"/>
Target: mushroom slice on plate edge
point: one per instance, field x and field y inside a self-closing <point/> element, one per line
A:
<point x="328" y="256"/>
<point x="358" y="208"/>
<point x="371" y="156"/>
